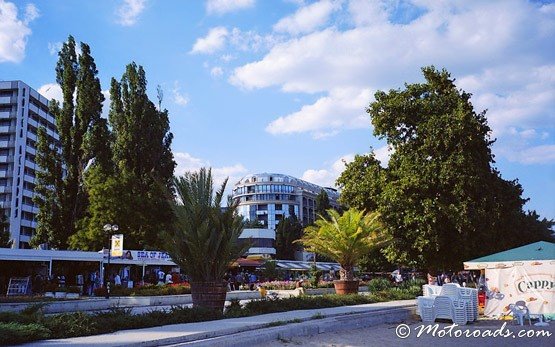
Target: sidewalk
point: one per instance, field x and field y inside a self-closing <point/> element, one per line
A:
<point x="207" y="333"/>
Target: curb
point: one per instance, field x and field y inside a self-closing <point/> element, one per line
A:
<point x="308" y="327"/>
<point x="264" y="332"/>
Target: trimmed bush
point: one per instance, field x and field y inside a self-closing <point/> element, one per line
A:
<point x="15" y="333"/>
<point x="379" y="284"/>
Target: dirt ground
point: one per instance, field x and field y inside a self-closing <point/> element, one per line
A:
<point x="385" y="335"/>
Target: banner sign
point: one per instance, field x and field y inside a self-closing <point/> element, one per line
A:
<point x="117" y="245"/>
<point x="146" y="255"/>
<point x="532" y="282"/>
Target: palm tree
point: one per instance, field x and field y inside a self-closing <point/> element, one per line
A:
<point x="345" y="238"/>
<point x="205" y="240"/>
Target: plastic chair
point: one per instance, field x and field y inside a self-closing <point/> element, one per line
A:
<point x="443" y="307"/>
<point x="459" y="312"/>
<point x="471" y="297"/>
<point x="451" y="290"/>
<point x="426" y="309"/>
<point x="520" y="312"/>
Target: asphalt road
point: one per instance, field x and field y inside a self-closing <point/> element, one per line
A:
<point x="385" y="335"/>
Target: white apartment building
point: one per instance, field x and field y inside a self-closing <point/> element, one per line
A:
<point x="22" y="111"/>
<point x="271" y="197"/>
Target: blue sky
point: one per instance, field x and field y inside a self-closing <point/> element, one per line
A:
<point x="281" y="85"/>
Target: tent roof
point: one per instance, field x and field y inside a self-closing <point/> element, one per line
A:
<point x="541" y="250"/>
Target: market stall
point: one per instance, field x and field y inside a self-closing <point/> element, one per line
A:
<point x="525" y="273"/>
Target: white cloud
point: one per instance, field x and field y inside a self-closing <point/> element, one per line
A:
<point x="343" y="108"/>
<point x="523" y="98"/>
<point x="216" y="71"/>
<point x="543" y="154"/>
<point x="224" y="6"/>
<point x="106" y="103"/>
<point x="31" y="13"/>
<point x="51" y="91"/>
<point x="129" y="11"/>
<point x="308" y="18"/>
<point x="179" y="98"/>
<point x="227" y="57"/>
<point x="327" y="177"/>
<point x="214" y="41"/>
<point x="14" y="31"/>
<point x="496" y="49"/>
<point x="186" y="162"/>
<point x="383" y="154"/>
<point x="54" y="47"/>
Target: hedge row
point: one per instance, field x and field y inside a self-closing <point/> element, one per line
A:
<point x="32" y="324"/>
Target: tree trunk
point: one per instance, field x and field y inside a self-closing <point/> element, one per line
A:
<point x="346" y="273"/>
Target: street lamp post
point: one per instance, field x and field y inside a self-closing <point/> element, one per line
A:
<point x="108" y="228"/>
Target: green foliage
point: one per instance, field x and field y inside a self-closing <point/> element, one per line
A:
<point x="71" y="324"/>
<point x="441" y="199"/>
<point x="151" y="290"/>
<point x="205" y="239"/>
<point x="304" y="303"/>
<point x="62" y="198"/>
<point x="345" y="238"/>
<point x="362" y="182"/>
<point x="314" y="276"/>
<point x="13" y="333"/>
<point x="33" y="325"/>
<point x="288" y="231"/>
<point x="322" y="204"/>
<point x="144" y="165"/>
<point x="253" y="224"/>
<point x="5" y="236"/>
<point x="379" y="284"/>
<point x="269" y="270"/>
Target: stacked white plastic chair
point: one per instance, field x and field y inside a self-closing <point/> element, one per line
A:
<point x="471" y="297"/>
<point x="426" y="309"/>
<point x="459" y="314"/>
<point x="455" y="303"/>
<point x="443" y="307"/>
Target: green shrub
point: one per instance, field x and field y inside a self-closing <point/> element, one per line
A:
<point x="15" y="333"/>
<point x="71" y="324"/>
<point x="379" y="284"/>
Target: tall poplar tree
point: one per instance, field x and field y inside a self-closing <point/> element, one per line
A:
<point x="61" y="194"/>
<point x="143" y="161"/>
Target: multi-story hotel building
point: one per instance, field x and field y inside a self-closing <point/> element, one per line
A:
<point x="22" y="111"/>
<point x="269" y="198"/>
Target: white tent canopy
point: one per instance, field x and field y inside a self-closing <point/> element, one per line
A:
<point x="525" y="273"/>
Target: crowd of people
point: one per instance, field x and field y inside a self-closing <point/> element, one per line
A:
<point x="462" y="278"/>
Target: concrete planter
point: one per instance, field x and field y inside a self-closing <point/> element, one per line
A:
<point x="72" y="296"/>
<point x="60" y="295"/>
<point x="49" y="294"/>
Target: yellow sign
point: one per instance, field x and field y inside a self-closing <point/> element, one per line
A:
<point x="117" y="245"/>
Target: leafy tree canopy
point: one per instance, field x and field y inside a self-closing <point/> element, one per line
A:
<point x="288" y="230"/>
<point x="441" y="198"/>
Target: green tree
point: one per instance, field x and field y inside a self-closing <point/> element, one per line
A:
<point x="322" y="204"/>
<point x="133" y="162"/>
<point x="61" y="195"/>
<point x="288" y="230"/>
<point x="441" y="198"/>
<point x="362" y="182"/>
<point x="5" y="236"/>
